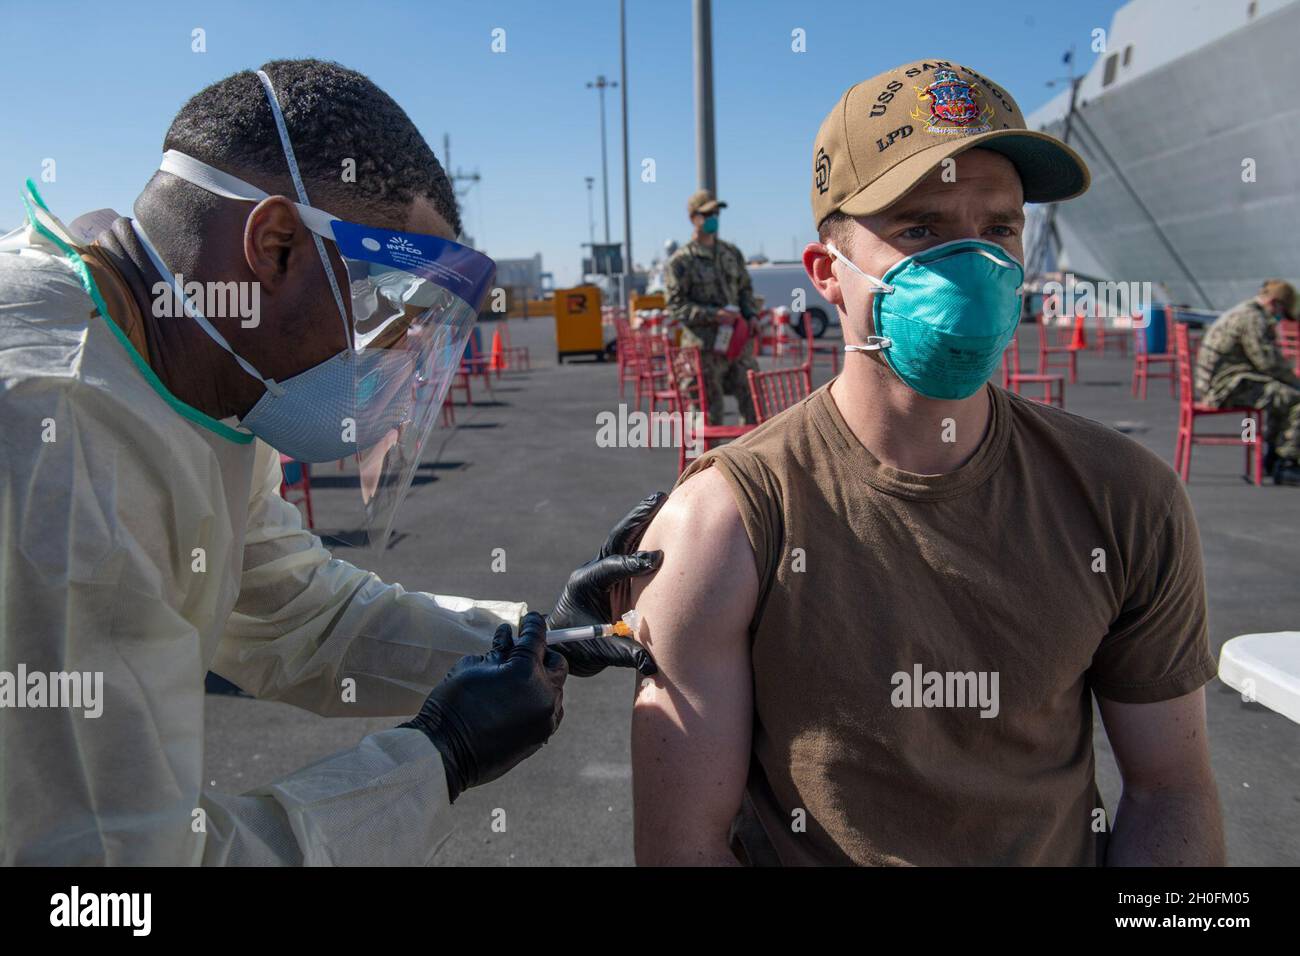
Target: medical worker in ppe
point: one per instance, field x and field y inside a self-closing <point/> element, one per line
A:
<point x="143" y="540"/>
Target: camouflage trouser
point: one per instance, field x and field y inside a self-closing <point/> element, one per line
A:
<point x="1281" y="405"/>
<point x="720" y="376"/>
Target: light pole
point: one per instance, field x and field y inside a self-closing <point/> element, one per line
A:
<point x="591" y="214"/>
<point x="601" y="84"/>
<point x="627" y="195"/>
<point x="705" y="161"/>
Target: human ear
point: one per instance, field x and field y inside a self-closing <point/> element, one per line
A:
<point x="817" y="263"/>
<point x="271" y="233"/>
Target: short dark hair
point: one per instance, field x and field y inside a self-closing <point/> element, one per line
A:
<point x="332" y="114"/>
<point x="837" y="228"/>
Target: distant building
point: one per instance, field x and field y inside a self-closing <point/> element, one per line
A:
<point x="523" y="276"/>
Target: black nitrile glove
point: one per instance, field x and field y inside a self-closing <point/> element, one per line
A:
<point x="586" y="597"/>
<point x="494" y="710"/>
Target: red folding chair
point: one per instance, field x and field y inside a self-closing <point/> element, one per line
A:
<point x="692" y="399"/>
<point x="653" y="372"/>
<point x="777" y="338"/>
<point x="1063" y="332"/>
<point x="460" y="381"/>
<point x="296" y="476"/>
<point x="658" y="362"/>
<point x="1189" y="410"/>
<point x="818" y="349"/>
<point x="517" y="357"/>
<point x="625" y="345"/>
<point x="1013" y="378"/>
<point x="1147" y="365"/>
<point x="777" y="390"/>
<point x="1288" y="341"/>
<point x="1106" y="335"/>
<point x="1052" y="356"/>
<point x="475" y="364"/>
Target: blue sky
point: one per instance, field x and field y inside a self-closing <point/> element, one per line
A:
<point x="94" y="86"/>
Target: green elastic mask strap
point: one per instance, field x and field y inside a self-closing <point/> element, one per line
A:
<point x="79" y="264"/>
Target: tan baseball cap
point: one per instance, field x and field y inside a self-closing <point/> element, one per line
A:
<point x="1283" y="291"/>
<point x="888" y="133"/>
<point x="702" y="201"/>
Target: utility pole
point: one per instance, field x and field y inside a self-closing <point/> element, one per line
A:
<point x="601" y="84"/>
<point x="627" y="195"/>
<point x="705" y="160"/>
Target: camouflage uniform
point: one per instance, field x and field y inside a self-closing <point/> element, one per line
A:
<point x="1239" y="364"/>
<point x="700" y="280"/>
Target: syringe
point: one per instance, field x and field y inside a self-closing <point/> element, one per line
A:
<point x="586" y="632"/>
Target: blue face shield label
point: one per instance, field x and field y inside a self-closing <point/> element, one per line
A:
<point x="462" y="271"/>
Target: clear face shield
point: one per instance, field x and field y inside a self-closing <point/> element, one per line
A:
<point x="414" y="299"/>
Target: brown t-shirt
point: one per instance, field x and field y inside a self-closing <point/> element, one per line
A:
<point x="924" y="646"/>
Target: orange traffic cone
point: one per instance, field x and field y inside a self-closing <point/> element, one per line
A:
<point x="498" y="360"/>
<point x="1080" y="336"/>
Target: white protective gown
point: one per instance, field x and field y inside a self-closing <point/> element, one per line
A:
<point x="107" y="487"/>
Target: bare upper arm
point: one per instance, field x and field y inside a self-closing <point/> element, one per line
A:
<point x="691" y="723"/>
<point x="1162" y="745"/>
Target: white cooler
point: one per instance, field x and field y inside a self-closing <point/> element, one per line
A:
<point x="1265" y="668"/>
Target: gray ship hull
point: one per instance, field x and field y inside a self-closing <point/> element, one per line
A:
<point x="1209" y="142"/>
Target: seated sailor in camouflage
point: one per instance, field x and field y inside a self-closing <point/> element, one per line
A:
<point x="1239" y="365"/>
<point x="702" y="277"/>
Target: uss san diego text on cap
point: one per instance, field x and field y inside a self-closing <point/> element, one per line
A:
<point x="888" y="133"/>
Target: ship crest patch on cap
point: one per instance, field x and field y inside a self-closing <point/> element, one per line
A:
<point x="953" y="101"/>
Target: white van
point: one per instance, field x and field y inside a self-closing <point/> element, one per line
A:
<point x="786" y="284"/>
